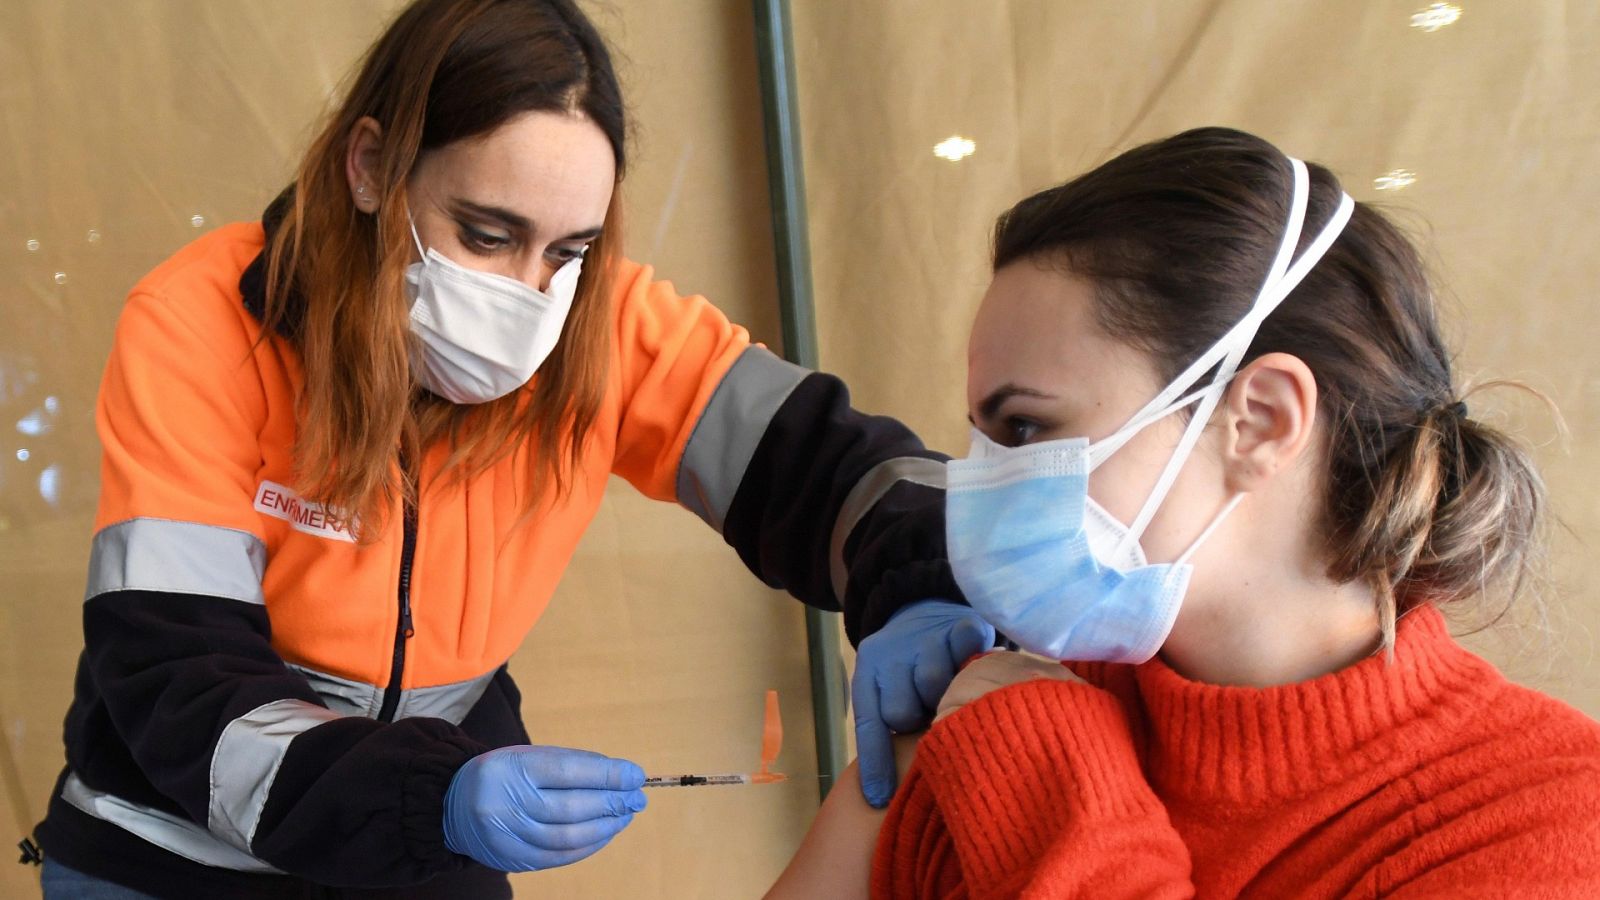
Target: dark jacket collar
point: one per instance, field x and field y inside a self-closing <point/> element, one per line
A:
<point x="253" y="281"/>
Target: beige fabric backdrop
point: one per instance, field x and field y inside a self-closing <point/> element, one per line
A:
<point x="1495" y="116"/>
<point x="121" y="122"/>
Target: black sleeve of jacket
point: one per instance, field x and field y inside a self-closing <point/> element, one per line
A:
<point x="354" y="801"/>
<point x="781" y="520"/>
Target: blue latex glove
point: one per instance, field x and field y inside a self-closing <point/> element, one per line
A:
<point x="901" y="672"/>
<point x="517" y="809"/>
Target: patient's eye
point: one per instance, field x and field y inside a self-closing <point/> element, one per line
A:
<point x="1019" y="430"/>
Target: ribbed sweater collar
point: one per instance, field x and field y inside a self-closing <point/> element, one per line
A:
<point x="1257" y="745"/>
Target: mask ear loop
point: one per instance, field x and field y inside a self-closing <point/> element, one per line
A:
<point x="1237" y="341"/>
<point x="1219" y="350"/>
<point x="1216" y="522"/>
<point x="415" y="239"/>
<point x="1102" y="449"/>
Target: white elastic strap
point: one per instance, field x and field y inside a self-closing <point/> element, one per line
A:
<point x="1215" y="523"/>
<point x="1102" y="449"/>
<point x="421" y="253"/>
<point x="1299" y="202"/>
<point x="1236" y="342"/>
<point x="1264" y="302"/>
<point x="1169" y="475"/>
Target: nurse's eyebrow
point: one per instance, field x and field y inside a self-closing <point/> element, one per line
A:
<point x="516" y="221"/>
<point x="588" y="234"/>
<point x="992" y="403"/>
<point x="505" y="216"/>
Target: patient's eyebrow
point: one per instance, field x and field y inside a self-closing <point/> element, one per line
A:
<point x="997" y="398"/>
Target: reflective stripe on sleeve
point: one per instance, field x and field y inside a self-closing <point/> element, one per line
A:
<point x="725" y="439"/>
<point x="865" y="495"/>
<point x="178" y="557"/>
<point x="245" y="762"/>
<point x="163" y="829"/>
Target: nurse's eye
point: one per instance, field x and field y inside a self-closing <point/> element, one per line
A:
<point x="1019" y="430"/>
<point x="482" y="242"/>
<point x="560" y="256"/>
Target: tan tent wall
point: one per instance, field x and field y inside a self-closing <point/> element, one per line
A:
<point x="1494" y="115"/>
<point x="120" y="122"/>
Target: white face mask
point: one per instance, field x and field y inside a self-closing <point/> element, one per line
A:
<point x="483" y="335"/>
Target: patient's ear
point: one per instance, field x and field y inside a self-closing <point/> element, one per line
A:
<point x="1269" y="413"/>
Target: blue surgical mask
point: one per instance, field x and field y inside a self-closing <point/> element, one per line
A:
<point x="1045" y="564"/>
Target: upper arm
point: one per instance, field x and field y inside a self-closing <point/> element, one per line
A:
<point x="835" y="858"/>
<point x="672" y="355"/>
<point x="179" y="415"/>
<point x="1530" y="828"/>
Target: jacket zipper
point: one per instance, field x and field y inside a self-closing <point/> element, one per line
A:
<point x="403" y="629"/>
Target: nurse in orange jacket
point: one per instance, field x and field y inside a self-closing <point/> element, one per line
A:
<point x="349" y="450"/>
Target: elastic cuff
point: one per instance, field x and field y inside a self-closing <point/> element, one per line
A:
<point x="423" y="789"/>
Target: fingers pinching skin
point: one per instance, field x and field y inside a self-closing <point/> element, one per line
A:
<point x="969" y="637"/>
<point x="901" y="672"/>
<point x="932" y="676"/>
<point x="874" y="741"/>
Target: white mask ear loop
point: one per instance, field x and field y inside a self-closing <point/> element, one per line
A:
<point x="1248" y="324"/>
<point x="1216" y="522"/>
<point x="1102" y="449"/>
<point x="1237" y="341"/>
<point x="421" y="253"/>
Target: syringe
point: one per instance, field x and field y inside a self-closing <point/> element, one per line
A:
<point x="694" y="780"/>
<point x="771" y="743"/>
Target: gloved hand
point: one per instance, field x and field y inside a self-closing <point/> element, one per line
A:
<point x="901" y="672"/>
<point x="517" y="809"/>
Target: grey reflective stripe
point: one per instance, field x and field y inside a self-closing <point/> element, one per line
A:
<point x="344" y="696"/>
<point x="348" y="697"/>
<point x="725" y="438"/>
<point x="178" y="557"/>
<point x="865" y="495"/>
<point x="246" y="760"/>
<point x="451" y="702"/>
<point x="163" y="829"/>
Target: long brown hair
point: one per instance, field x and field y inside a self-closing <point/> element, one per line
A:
<point x="443" y="71"/>
<point x="1422" y="501"/>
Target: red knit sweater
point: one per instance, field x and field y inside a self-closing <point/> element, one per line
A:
<point x="1429" y="777"/>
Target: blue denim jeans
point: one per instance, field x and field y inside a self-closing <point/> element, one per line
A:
<point x="62" y="883"/>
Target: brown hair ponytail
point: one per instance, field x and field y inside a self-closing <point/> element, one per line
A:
<point x="1422" y="502"/>
<point x="1456" y="508"/>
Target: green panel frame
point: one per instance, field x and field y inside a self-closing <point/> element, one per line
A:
<point x="786" y="180"/>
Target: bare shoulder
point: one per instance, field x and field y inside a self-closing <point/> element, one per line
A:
<point x="835" y="858"/>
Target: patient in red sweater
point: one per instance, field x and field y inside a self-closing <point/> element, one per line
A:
<point x="1224" y="486"/>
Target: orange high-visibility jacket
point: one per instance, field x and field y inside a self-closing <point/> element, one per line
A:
<point x="262" y="700"/>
